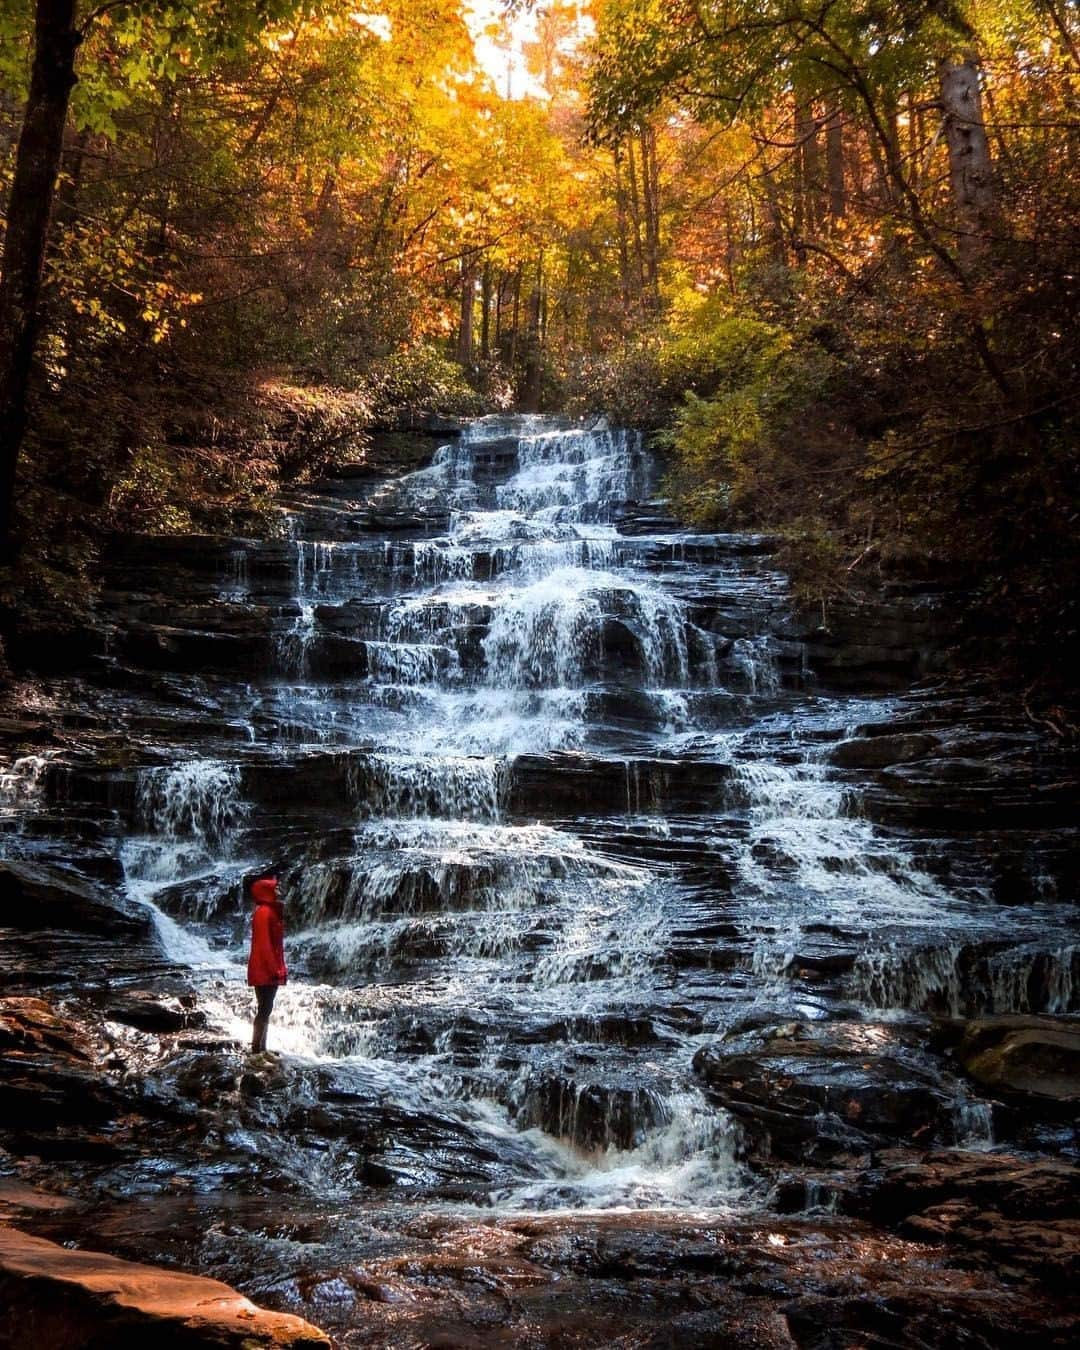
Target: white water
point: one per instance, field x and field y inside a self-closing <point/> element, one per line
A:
<point x="446" y="950"/>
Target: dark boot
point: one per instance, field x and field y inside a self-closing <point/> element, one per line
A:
<point x="258" y="1039"/>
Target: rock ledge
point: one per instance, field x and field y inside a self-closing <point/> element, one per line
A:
<point x="78" y="1300"/>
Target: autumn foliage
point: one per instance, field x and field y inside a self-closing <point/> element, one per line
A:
<point x="826" y="253"/>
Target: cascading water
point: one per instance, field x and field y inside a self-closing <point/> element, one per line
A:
<point x="550" y="811"/>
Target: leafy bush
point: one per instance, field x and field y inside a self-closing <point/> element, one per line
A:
<point x="739" y="444"/>
<point x="418" y="382"/>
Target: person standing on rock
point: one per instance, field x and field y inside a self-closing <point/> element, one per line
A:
<point x="266" y="971"/>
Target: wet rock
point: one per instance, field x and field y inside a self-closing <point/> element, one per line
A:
<point x="1035" y="1056"/>
<point x="19" y="1199"/>
<point x="331" y="655"/>
<point x="1015" y="1187"/>
<point x="1007" y="1213"/>
<point x="592" y="1115"/>
<point x="880" y="646"/>
<point x="877" y="752"/>
<point x="164" y="647"/>
<point x="573" y="782"/>
<point x="155" y="1012"/>
<point x="969" y="978"/>
<point x="83" y="1299"/>
<point x="812" y="1091"/>
<point x="31" y="1026"/>
<point x="237" y="620"/>
<point x="205" y="1076"/>
<point x="168" y="552"/>
<point x="51" y="1088"/>
<point x="38" y="895"/>
<point x="973" y="792"/>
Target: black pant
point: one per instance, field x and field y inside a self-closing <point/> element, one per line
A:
<point x="264" y="999"/>
<point x="264" y="1004"/>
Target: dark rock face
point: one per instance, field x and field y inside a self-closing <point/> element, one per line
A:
<point x="34" y="896"/>
<point x="155" y="1012"/>
<point x="883" y="645"/>
<point x="878" y="752"/>
<point x="591" y="1115"/>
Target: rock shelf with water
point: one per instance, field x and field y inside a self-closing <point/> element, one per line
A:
<point x="627" y="909"/>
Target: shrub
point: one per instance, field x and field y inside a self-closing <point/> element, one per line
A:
<point x="418" y="382"/>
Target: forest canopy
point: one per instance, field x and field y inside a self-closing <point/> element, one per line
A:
<point x="826" y="253"/>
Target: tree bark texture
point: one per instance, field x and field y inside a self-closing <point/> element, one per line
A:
<point x="971" y="173"/>
<point x="37" y="167"/>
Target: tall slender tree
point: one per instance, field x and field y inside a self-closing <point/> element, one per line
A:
<point x="37" y="167"/>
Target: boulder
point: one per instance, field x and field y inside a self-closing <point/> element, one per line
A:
<point x="78" y="1300"/>
<point x="1034" y="1056"/>
<point x="48" y="1078"/>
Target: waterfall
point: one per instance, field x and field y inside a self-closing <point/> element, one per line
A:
<point x="552" y="807"/>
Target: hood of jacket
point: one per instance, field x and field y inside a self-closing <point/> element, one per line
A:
<point x="264" y="892"/>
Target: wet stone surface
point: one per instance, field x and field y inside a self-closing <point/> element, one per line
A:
<point x="664" y="970"/>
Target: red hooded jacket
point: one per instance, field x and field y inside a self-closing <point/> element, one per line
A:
<point x="266" y="963"/>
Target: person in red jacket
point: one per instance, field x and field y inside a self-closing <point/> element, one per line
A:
<point x="266" y="971"/>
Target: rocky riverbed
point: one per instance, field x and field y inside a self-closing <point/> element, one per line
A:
<point x="667" y="966"/>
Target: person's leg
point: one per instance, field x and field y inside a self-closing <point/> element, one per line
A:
<point x="264" y="1003"/>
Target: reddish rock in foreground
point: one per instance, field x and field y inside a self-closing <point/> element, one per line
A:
<point x="76" y="1300"/>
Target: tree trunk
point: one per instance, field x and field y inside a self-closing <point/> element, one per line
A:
<point x="468" y="305"/>
<point x="485" y="312"/>
<point x="515" y="322"/>
<point x="1061" y="23"/>
<point x="834" y="162"/>
<point x="531" y="379"/>
<point x="650" y="188"/>
<point x="621" y="222"/>
<point x="971" y="174"/>
<point x="808" y="169"/>
<point x="37" y="165"/>
<point x="634" y="202"/>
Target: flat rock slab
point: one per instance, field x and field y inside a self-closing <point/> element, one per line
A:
<point x="78" y="1300"/>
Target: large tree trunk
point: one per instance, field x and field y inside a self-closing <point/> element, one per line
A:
<point x="623" y="229"/>
<point x="485" y="312"/>
<point x="37" y="165"/>
<point x="468" y="306"/>
<point x="971" y="172"/>
<point x="634" y="203"/>
<point x="650" y="188"/>
<point x="807" y="169"/>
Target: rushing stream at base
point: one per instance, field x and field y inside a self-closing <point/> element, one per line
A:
<point x="551" y="806"/>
